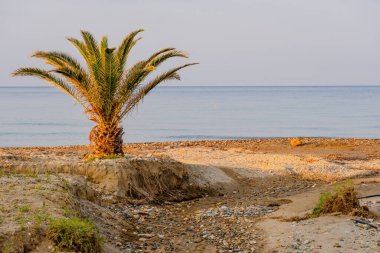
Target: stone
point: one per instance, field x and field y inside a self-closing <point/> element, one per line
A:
<point x="146" y="235"/>
<point x="337" y="245"/>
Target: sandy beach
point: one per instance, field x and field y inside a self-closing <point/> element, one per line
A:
<point x="243" y="126"/>
<point x="199" y="196"/>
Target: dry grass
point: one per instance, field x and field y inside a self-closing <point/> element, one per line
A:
<point x="75" y="234"/>
<point x="342" y="199"/>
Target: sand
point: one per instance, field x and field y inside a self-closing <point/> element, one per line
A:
<point x="246" y="188"/>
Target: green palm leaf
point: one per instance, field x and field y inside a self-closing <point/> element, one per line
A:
<point x="55" y="81"/>
<point x="137" y="96"/>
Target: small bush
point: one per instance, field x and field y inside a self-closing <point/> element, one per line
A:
<point x="319" y="207"/>
<point x="24" y="209"/>
<point x="75" y="234"/>
<point x="342" y="199"/>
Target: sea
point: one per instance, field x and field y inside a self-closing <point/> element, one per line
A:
<point x="44" y="116"/>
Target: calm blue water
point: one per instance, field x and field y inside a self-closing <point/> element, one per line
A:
<point x="43" y="116"/>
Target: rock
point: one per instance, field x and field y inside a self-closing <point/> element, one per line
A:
<point x="295" y="245"/>
<point x="337" y="245"/>
<point x="210" y="249"/>
<point x="146" y="235"/>
<point x="126" y="215"/>
<point x="198" y="240"/>
<point x="295" y="142"/>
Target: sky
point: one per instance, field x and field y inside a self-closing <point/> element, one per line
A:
<point x="236" y="42"/>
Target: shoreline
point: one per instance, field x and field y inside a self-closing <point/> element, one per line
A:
<point x="205" y="141"/>
<point x="214" y="162"/>
<point x="216" y="195"/>
<point x="364" y="148"/>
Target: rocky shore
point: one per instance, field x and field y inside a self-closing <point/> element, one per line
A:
<point x="202" y="196"/>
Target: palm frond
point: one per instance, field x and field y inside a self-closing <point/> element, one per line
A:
<point x="156" y="61"/>
<point x="93" y="67"/>
<point x="58" y="57"/>
<point x="143" y="91"/>
<point x="126" y="46"/>
<point x="91" y="46"/>
<point x="161" y="52"/>
<point x="62" y="60"/>
<point x="111" y="76"/>
<point x="50" y="78"/>
<point x="103" y="44"/>
<point x="80" y="46"/>
<point x="135" y="75"/>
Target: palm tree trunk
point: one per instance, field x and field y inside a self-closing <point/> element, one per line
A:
<point x="106" y="140"/>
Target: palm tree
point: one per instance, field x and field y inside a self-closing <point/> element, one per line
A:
<point x="106" y="89"/>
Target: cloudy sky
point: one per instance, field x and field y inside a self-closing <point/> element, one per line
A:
<point x="237" y="42"/>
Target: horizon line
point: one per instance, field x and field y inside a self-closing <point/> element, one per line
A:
<point x="199" y="86"/>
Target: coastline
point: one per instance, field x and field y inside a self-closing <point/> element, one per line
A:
<point x="225" y="194"/>
<point x="333" y="149"/>
<point x="314" y="159"/>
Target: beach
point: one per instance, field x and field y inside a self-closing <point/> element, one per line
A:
<point x="197" y="196"/>
<point x="190" y="127"/>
